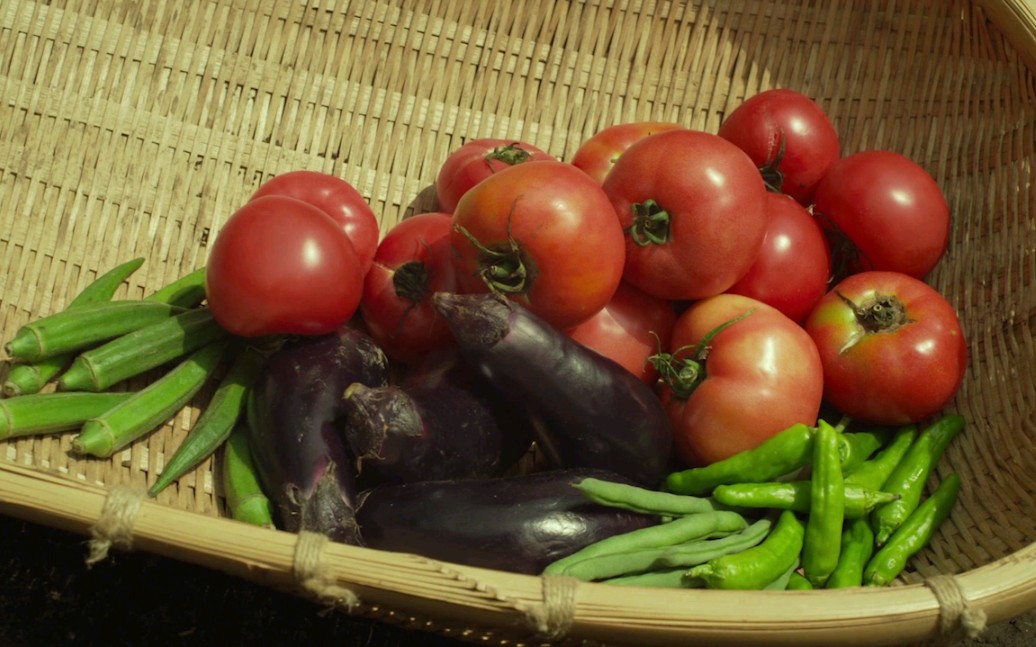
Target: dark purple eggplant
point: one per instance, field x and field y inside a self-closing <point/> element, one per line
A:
<point x="439" y="422"/>
<point x="516" y="523"/>
<point x="300" y="456"/>
<point x="589" y="411"/>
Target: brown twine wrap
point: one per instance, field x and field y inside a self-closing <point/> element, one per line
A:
<point x="316" y="578"/>
<point x="115" y="525"/>
<point x="954" y="611"/>
<point x="553" y="618"/>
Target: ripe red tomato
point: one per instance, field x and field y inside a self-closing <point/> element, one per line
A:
<point x="338" y="199"/>
<point x="890" y="211"/>
<point x="891" y="345"/>
<point x="411" y="264"/>
<point x="630" y="329"/>
<point x="693" y="207"/>
<point x="544" y="234"/>
<point x="793" y="267"/>
<point x="597" y="155"/>
<point x="788" y="136"/>
<point x="281" y="265"/>
<point x="755" y="377"/>
<point x="475" y="161"/>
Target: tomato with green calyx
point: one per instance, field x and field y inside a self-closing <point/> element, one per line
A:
<point x="739" y="371"/>
<point x="892" y="347"/>
<point x="475" y="161"/>
<point x="542" y="233"/>
<point x="281" y="265"/>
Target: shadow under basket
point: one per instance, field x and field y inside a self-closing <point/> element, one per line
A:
<point x="137" y="128"/>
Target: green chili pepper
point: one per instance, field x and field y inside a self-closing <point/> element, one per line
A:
<point x="822" y="542"/>
<point x="855" y="447"/>
<point x="797" y="496"/>
<point x="798" y="582"/>
<point x="913" y="534"/>
<point x="756" y="567"/>
<point x="873" y="473"/>
<point x="776" y="456"/>
<point x="857" y="549"/>
<point x="910" y="475"/>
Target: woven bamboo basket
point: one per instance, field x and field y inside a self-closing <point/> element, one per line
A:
<point x="135" y="128"/>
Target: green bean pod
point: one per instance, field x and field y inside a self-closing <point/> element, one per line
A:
<point x="84" y="326"/>
<point x="796" y="496"/>
<point x="245" y="498"/>
<point x="913" y="534"/>
<point x="30" y="377"/>
<point x="187" y="291"/>
<point x="857" y="549"/>
<point x="826" y="508"/>
<point x="216" y="421"/>
<point x="682" y="529"/>
<point x="638" y="499"/>
<point x="756" y="567"/>
<point x="104" y="435"/>
<point x="798" y="582"/>
<point x="141" y="350"/>
<point x="873" y="473"/>
<point x="776" y="456"/>
<point x="675" y="578"/>
<point x="910" y="475"/>
<point x="36" y="414"/>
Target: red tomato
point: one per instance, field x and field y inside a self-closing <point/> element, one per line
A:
<point x="597" y="155"/>
<point x="544" y="234"/>
<point x="788" y="136"/>
<point x="793" y="267"/>
<point x="630" y="329"/>
<point x="889" y="209"/>
<point x="693" y="207"/>
<point x="477" y="160"/>
<point x="280" y="265"/>
<point x="892" y="348"/>
<point x="411" y="264"/>
<point x="338" y="199"/>
<point x="756" y="377"/>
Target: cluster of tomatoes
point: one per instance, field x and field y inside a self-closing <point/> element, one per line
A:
<point x="751" y="274"/>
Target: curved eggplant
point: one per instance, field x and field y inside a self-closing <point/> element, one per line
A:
<point x="589" y="410"/>
<point x="439" y="422"/>
<point x="515" y="523"/>
<point x="300" y="456"/>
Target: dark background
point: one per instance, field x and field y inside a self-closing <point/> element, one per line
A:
<point x="48" y="596"/>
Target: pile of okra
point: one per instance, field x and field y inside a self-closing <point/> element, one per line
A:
<point x="812" y="507"/>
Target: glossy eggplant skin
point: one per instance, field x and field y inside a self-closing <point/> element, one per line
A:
<point x="515" y="523"/>
<point x="300" y="455"/>
<point x="588" y="410"/>
<point x="440" y="421"/>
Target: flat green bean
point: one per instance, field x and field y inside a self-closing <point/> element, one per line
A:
<point x="667" y="579"/>
<point x="638" y="499"/>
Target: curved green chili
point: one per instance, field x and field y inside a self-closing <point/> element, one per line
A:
<point x="796" y="496"/>
<point x="855" y="447"/>
<point x="822" y="542"/>
<point x="798" y="582"/>
<point x="760" y="565"/>
<point x="857" y="549"/>
<point x="873" y="473"/>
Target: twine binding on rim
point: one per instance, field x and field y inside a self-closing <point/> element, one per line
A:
<point x="315" y="577"/>
<point x="954" y="611"/>
<point x="554" y="617"/>
<point x="114" y="527"/>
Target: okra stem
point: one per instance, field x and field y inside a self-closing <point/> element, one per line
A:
<point x="245" y="498"/>
<point x="103" y="435"/>
<point x="46" y="413"/>
<point x="216" y="421"/>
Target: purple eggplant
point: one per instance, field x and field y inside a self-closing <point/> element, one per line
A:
<point x="588" y="410"/>
<point x="515" y="523"/>
<point x="293" y="411"/>
<point x="439" y="422"/>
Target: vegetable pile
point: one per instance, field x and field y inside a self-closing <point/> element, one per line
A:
<point x="669" y="320"/>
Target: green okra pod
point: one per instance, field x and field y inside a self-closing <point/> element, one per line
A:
<point x="245" y="498"/>
<point x="797" y="496"/>
<point x="35" y="414"/>
<point x="857" y="549"/>
<point x="776" y="456"/>
<point x="216" y="421"/>
<point x="124" y="423"/>
<point x="822" y="541"/>
<point x="758" y="566"/>
<point x="873" y="473"/>
<point x="913" y="534"/>
<point x="638" y="499"/>
<point x="910" y="475"/>
<point x="84" y="326"/>
<point x="140" y="350"/>
<point x="187" y="291"/>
